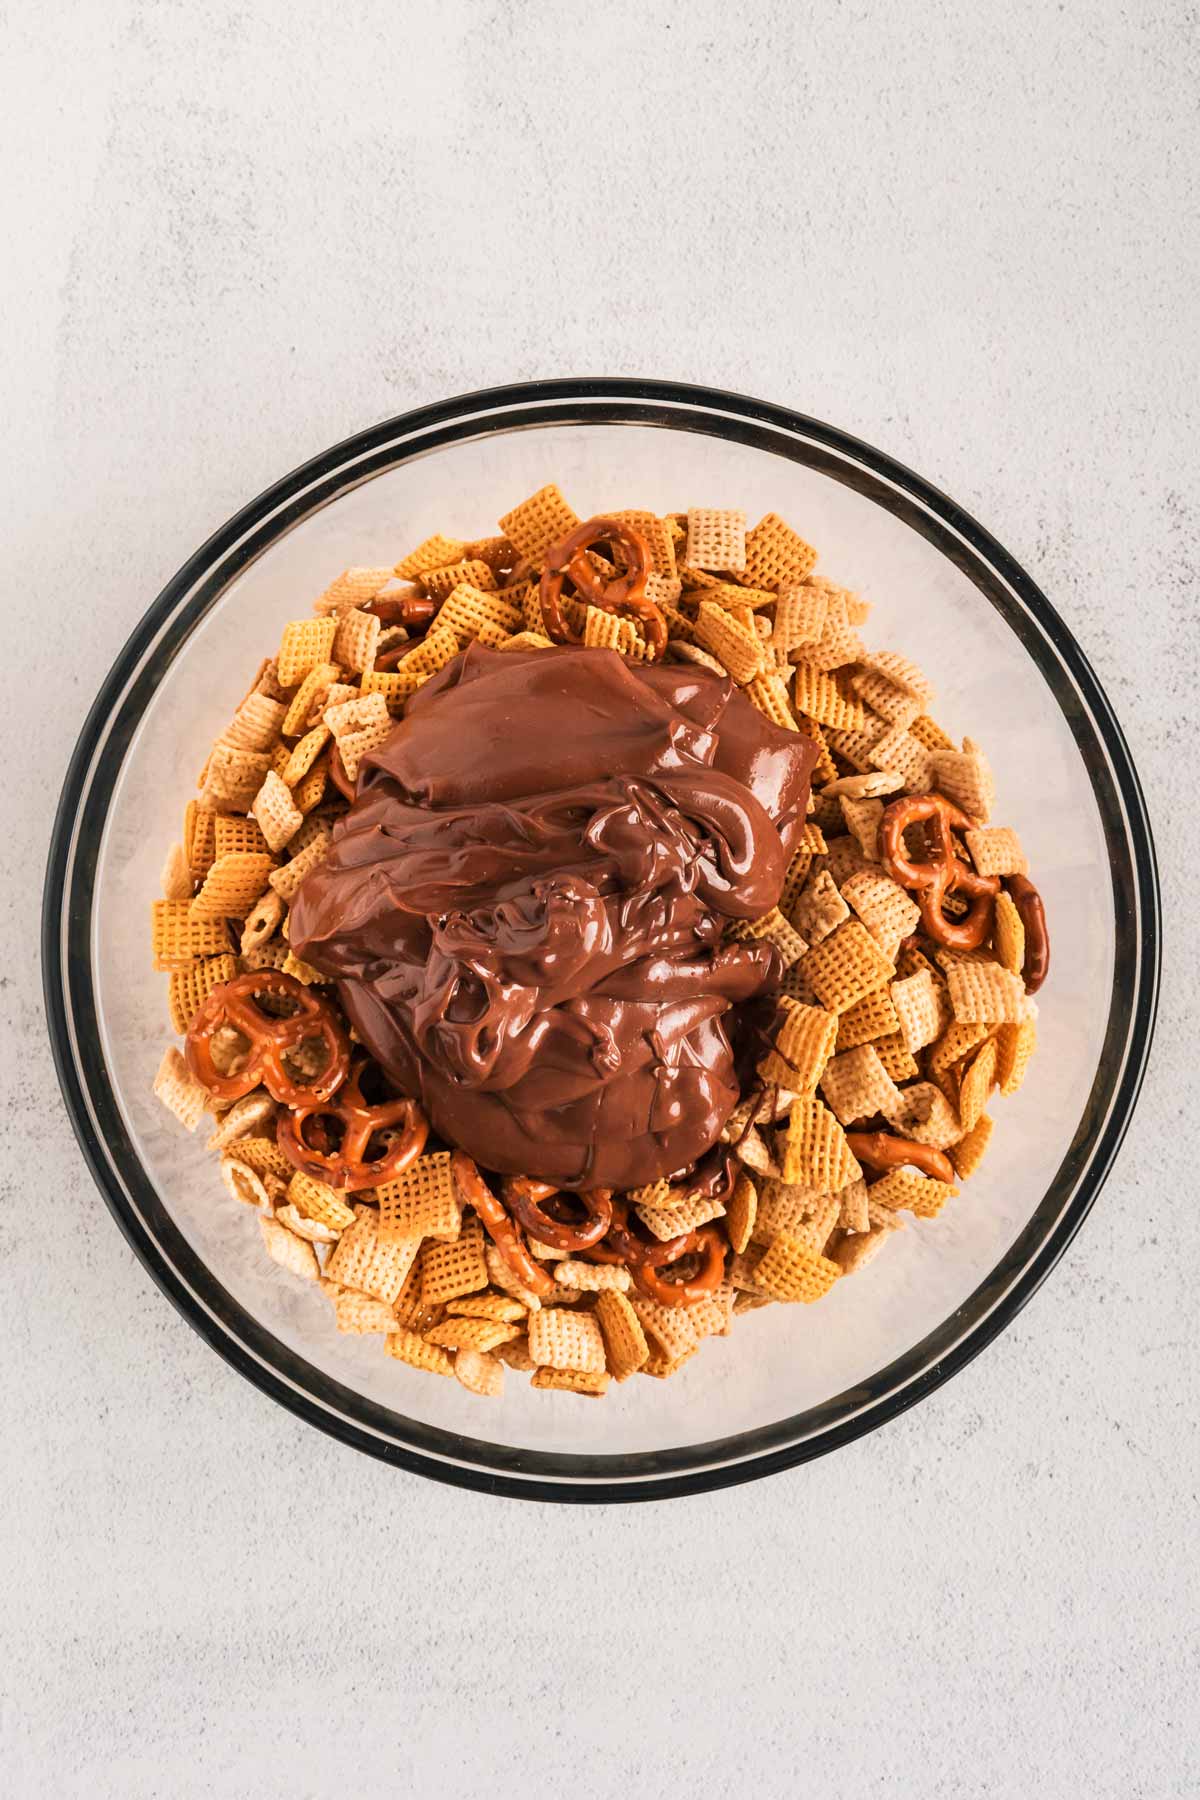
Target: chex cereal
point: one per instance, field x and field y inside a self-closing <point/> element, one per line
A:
<point x="900" y="947"/>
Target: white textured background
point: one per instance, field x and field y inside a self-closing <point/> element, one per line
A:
<point x="234" y="233"/>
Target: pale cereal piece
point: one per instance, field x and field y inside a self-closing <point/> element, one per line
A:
<point x="692" y="653"/>
<point x="820" y="909"/>
<point x="179" y="1090"/>
<point x="996" y="850"/>
<point x="272" y="955"/>
<point x="433" y="553"/>
<point x="815" y="1151"/>
<point x="353" y="588"/>
<point x="178" y="937"/>
<point x="716" y="539"/>
<point x="669" y="1329"/>
<point x="928" y="732"/>
<point x="665" y="1222"/>
<point x="871" y="1018"/>
<point x="191" y="987"/>
<point x="741" y="1270"/>
<point x="527" y="640"/>
<point x="625" y="1343"/>
<point x="776" y="556"/>
<point x="751" y="1150"/>
<point x="1015" y="1045"/>
<point x="862" y="822"/>
<point x="199" y="839"/>
<point x="978" y="1078"/>
<point x="793" y="1271"/>
<point x="410" y="1347"/>
<point x="923" y="1113"/>
<point x="782" y="1206"/>
<point x="356" y="640"/>
<point x="870" y="786"/>
<point x="304" y="644"/>
<point x="263" y="1155"/>
<point x="319" y="1236"/>
<point x="855" y="746"/>
<point x="893" y="703"/>
<point x="468" y="611"/>
<point x="245" y="1184"/>
<point x="308" y="701"/>
<point x="232" y="777"/>
<point x="572" y="1381"/>
<point x="245" y="1115"/>
<point x="838" y="645"/>
<point x="822" y="1222"/>
<point x="502" y="1276"/>
<point x="656" y="1193"/>
<point x="232" y="885"/>
<point x="562" y="1296"/>
<point x="451" y="1269"/>
<point x="516" y="1354"/>
<point x="888" y="913"/>
<point x="902" y="674"/>
<point x="345" y="717"/>
<point x="899" y="750"/>
<point x="907" y="1190"/>
<point x="857" y="1086"/>
<point x="566" y="1340"/>
<point x="479" y="1373"/>
<point x="846" y="967"/>
<point x="739" y="651"/>
<point x="361" y="1315"/>
<point x="256" y="723"/>
<point x="289" y="1251"/>
<point x="853" y="1214"/>
<point x="546" y="1252"/>
<point x="433" y="652"/>
<point x="1008" y="933"/>
<point x="262" y="921"/>
<point x="804" y="1041"/>
<point x="501" y="1307"/>
<point x="773" y="928"/>
<point x="854" y="1253"/>
<point x="713" y="1316"/>
<point x="286" y="881"/>
<point x="361" y="1261"/>
<point x="824" y="698"/>
<point x="884" y="1218"/>
<point x="358" y="744"/>
<point x="800" y="617"/>
<point x="314" y="1200"/>
<point x="984" y="991"/>
<point x="965" y="777"/>
<point x="176" y="880"/>
<point x="539" y="522"/>
<point x="472" y="1334"/>
<point x="898" y="1061"/>
<point x="969" y="1152"/>
<point x="915" y="999"/>
<point x="440" y="583"/>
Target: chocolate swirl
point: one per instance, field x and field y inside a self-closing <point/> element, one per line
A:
<point x="525" y="907"/>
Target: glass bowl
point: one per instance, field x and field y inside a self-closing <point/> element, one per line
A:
<point x="790" y="1382"/>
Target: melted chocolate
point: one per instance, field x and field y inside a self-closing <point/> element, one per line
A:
<point x="525" y="907"/>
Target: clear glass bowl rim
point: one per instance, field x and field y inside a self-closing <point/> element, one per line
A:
<point x="71" y="1005"/>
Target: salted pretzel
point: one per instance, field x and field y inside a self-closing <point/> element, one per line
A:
<point x="499" y="1225"/>
<point x="934" y="880"/>
<point x="624" y="592"/>
<point x="540" y="1208"/>
<point x="880" y="1150"/>
<point x="1028" y="903"/>
<point x="416" y="611"/>
<point x="343" y="1160"/>
<point x="645" y="1259"/>
<point x="271" y="1038"/>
